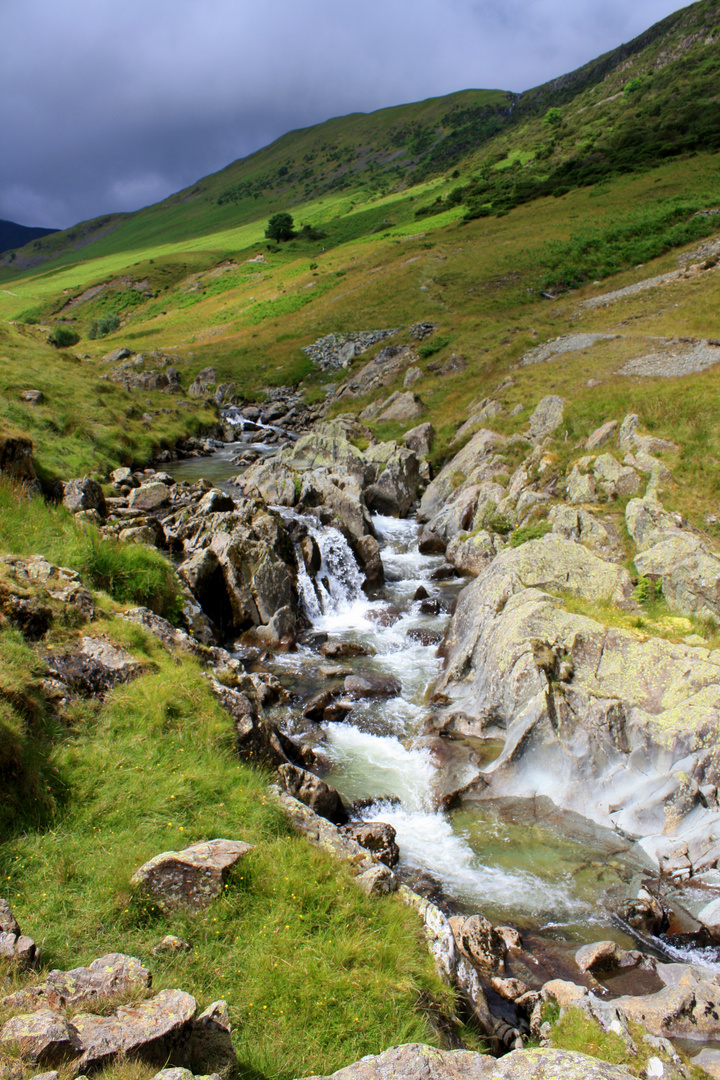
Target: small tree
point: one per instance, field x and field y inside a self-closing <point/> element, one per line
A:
<point x="553" y="117"/>
<point x="280" y="227"/>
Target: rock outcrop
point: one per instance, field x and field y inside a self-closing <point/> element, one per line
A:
<point x="618" y="727"/>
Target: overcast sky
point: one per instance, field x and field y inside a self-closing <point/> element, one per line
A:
<point x="113" y="104"/>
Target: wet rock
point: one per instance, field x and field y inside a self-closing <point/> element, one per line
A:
<point x="191" y="878"/>
<point x="313" y="792"/>
<point x="378" y="837"/>
<point x="84" y="494"/>
<point x="316" y="706"/>
<point x="512" y="939"/>
<point x="430" y="543"/>
<point x="372" y="685"/>
<point x="477" y="940"/>
<point x="335" y="650"/>
<point x="367" y="553"/>
<point x="311" y="555"/>
<point x="337" y="711"/>
<point x="108" y="977"/>
<point x="425" y="637"/>
<point x="644" y="913"/>
<point x="608" y="956"/>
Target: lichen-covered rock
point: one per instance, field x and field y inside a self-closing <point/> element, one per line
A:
<point x="94" y="667"/>
<point x="621" y="729"/>
<point x="45" y="1037"/>
<point x="107" y="977"/>
<point x="19" y="948"/>
<point x="157" y="1031"/>
<point x="457" y="471"/>
<point x="689" y="1005"/>
<point x="191" y="878"/>
<point x="547" y="417"/>
<point x="414" y="1061"/>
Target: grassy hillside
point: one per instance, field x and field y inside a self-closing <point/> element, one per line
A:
<point x="487" y="214"/>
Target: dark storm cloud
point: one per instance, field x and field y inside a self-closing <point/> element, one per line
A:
<point x="113" y="104"/>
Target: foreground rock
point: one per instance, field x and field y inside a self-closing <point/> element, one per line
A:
<point x="15" y="945"/>
<point x="414" y="1061"/>
<point x="191" y="878"/>
<point x="107" y="977"/>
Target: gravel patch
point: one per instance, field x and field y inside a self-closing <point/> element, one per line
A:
<point x="675" y="358"/>
<point x="543" y="354"/>
<point x="630" y="290"/>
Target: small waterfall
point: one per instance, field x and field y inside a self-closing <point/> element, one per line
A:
<point x="338" y="583"/>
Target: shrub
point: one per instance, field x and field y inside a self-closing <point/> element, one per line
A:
<point x="553" y="117"/>
<point x="63" y="337"/>
<point x="497" y="523"/>
<point x="529" y="532"/>
<point x="108" y="324"/>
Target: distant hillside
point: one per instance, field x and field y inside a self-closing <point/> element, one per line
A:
<point x="648" y="100"/>
<point x="15" y="236"/>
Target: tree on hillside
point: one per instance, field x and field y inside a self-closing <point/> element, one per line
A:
<point x="280" y="227"/>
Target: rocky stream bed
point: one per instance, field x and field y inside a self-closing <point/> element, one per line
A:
<point x="541" y="786"/>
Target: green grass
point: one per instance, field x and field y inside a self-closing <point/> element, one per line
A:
<point x="315" y="973"/>
<point x="129" y="573"/>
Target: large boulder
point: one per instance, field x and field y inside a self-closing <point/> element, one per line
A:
<point x="414" y="1061"/>
<point x="191" y="878"/>
<point x="620" y="728"/>
<point x="458" y="470"/>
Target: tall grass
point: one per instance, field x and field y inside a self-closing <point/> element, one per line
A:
<point x="130" y="573"/>
<point x="315" y="973"/>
